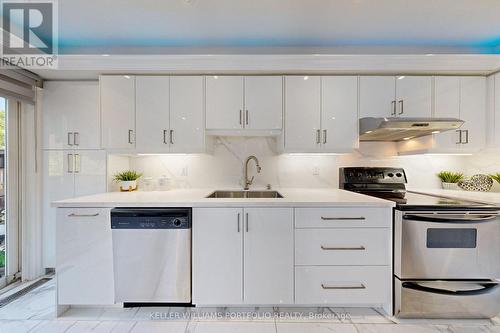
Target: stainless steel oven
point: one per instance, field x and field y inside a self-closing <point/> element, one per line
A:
<point x="447" y="263"/>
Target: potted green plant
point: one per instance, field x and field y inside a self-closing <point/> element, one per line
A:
<point x="450" y="179"/>
<point x="127" y="180"/>
<point x="496" y="177"/>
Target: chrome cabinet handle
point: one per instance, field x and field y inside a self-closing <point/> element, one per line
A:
<point x="69" y="138"/>
<point x="401" y="102"/>
<point x="171" y="136"/>
<point x="327" y="248"/>
<point x="360" y="286"/>
<point x="71" y="165"/>
<point x="239" y="216"/>
<point x="459" y="137"/>
<point x="466" y="137"/>
<point x="165" y="136"/>
<point x="360" y="218"/>
<point x="241" y="117"/>
<point x="246" y="218"/>
<point x="76" y="138"/>
<point x="393" y="112"/>
<point x="318" y="137"/>
<point x="324" y="136"/>
<point x="83" y="215"/>
<point x="130" y="133"/>
<point x="246" y="117"/>
<point x="77" y="163"/>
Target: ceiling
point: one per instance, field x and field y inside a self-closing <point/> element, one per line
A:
<point x="92" y="23"/>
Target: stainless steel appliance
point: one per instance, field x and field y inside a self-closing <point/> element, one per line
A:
<point x="446" y="252"/>
<point x="152" y="254"/>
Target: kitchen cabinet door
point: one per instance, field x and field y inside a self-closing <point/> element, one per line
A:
<point x="118" y="112"/>
<point x="377" y="96"/>
<point x="84" y="257"/>
<point x="217" y="256"/>
<point x="269" y="259"/>
<point x="152" y="109"/>
<point x="58" y="184"/>
<point x="339" y="113"/>
<point x="224" y="102"/>
<point x="187" y="121"/>
<point x="70" y="112"/>
<point x="473" y="112"/>
<point x="263" y="102"/>
<point x="414" y="96"/>
<point x="303" y="114"/>
<point x="447" y="105"/>
<point x="90" y="172"/>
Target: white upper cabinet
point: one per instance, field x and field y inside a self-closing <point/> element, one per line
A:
<point x="70" y="112"/>
<point x="339" y="113"/>
<point x="263" y="102"/>
<point x="152" y="113"/>
<point x="187" y="121"/>
<point x="473" y="112"/>
<point x="377" y="96"/>
<point x="447" y="105"/>
<point x="251" y="103"/>
<point x="493" y="112"/>
<point x="302" y="114"/>
<point x="321" y="114"/>
<point x="118" y="112"/>
<point x="414" y="96"/>
<point x="224" y="102"/>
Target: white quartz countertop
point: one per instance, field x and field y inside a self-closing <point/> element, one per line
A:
<point x="491" y="198"/>
<point x="196" y="198"/>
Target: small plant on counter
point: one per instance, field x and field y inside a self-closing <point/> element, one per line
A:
<point x="450" y="179"/>
<point x="127" y="180"/>
<point x="496" y="177"/>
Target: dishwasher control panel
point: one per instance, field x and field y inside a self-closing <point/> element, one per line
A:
<point x="151" y="218"/>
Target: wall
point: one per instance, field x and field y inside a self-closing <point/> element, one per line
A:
<point x="224" y="168"/>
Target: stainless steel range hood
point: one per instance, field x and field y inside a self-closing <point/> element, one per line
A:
<point x="399" y="129"/>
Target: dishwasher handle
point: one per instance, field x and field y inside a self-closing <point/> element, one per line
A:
<point x="486" y="287"/>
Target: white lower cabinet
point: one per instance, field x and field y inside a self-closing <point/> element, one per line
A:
<point x="84" y="257"/>
<point x="242" y="256"/>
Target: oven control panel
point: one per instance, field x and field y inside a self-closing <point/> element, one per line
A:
<point x="372" y="176"/>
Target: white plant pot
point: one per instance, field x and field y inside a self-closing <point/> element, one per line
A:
<point x="130" y="185"/>
<point x="450" y="186"/>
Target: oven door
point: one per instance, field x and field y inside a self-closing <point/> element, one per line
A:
<point x="432" y="245"/>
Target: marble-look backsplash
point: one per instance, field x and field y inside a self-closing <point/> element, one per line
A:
<point x="224" y="167"/>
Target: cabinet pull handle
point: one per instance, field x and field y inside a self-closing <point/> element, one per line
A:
<point x="360" y="286"/>
<point x="171" y="136"/>
<point x="71" y="165"/>
<point x="328" y="248"/>
<point x="69" y="138"/>
<point x="76" y="138"/>
<point x="239" y="216"/>
<point x="165" y="136"/>
<point x="246" y="218"/>
<point x="393" y="112"/>
<point x="130" y="132"/>
<point x="318" y="137"/>
<point x="324" y="136"/>
<point x="246" y="117"/>
<point x="360" y="218"/>
<point x="466" y="136"/>
<point x="401" y="102"/>
<point x="241" y="117"/>
<point x="77" y="165"/>
<point x="83" y="215"/>
<point x="459" y="141"/>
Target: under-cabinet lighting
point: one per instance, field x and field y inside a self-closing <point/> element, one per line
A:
<point x="126" y="76"/>
<point x="368" y="132"/>
<point x="448" y="154"/>
<point x="105" y="55"/>
<point x="401" y="77"/>
<point x="169" y="154"/>
<point x="315" y="154"/>
<point x="216" y="77"/>
<point x="406" y="139"/>
<point x="306" y="77"/>
<point x="435" y="132"/>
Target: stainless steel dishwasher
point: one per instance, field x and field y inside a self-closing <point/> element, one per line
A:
<point x="152" y="254"/>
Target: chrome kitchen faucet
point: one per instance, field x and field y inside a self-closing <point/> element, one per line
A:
<point x="249" y="182"/>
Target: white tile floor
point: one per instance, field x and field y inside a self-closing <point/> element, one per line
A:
<point x="35" y="312"/>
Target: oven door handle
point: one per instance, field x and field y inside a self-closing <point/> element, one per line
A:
<point x="461" y="218"/>
<point x="487" y="287"/>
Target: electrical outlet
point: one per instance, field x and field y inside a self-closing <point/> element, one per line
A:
<point x="316" y="170"/>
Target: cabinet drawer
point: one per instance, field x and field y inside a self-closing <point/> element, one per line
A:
<point x="342" y="286"/>
<point x="352" y="217"/>
<point x="342" y="246"/>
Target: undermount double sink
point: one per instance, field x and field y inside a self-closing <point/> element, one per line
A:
<point x="244" y="194"/>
